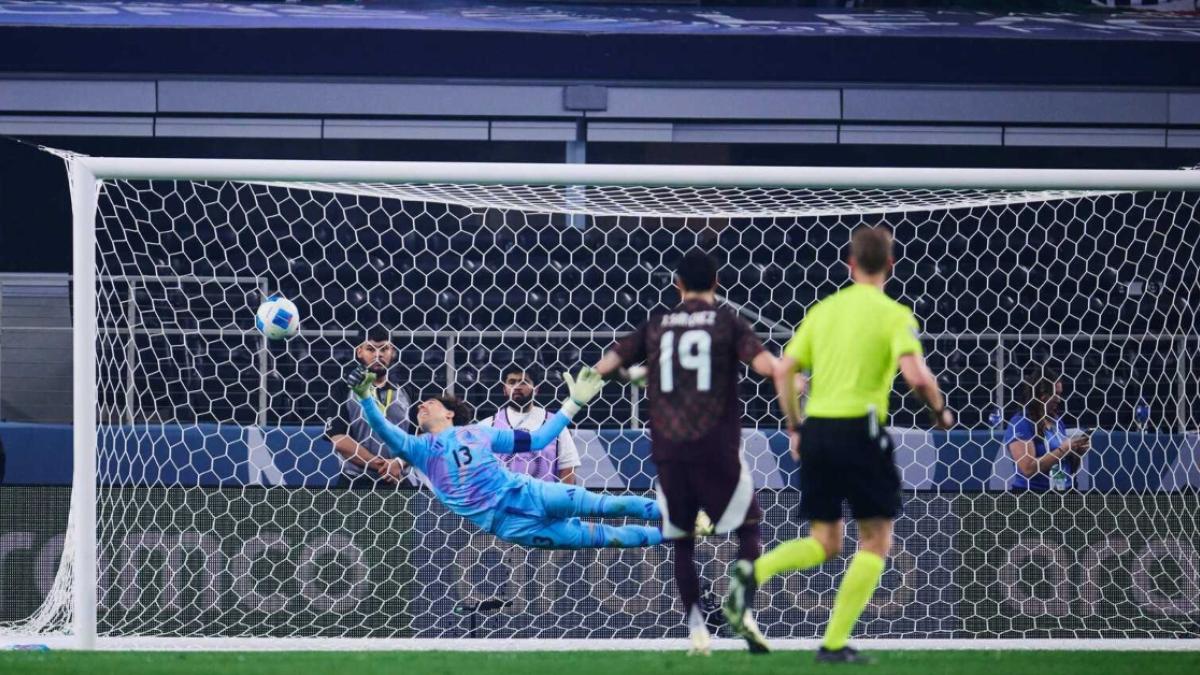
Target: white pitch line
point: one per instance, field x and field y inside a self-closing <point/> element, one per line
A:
<point x="560" y="645"/>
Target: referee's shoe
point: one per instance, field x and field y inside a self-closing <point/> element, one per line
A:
<point x="843" y="655"/>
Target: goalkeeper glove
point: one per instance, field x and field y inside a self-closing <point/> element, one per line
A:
<point x="361" y="380"/>
<point x="583" y="388"/>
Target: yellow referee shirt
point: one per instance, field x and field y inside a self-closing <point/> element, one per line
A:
<point x="850" y="344"/>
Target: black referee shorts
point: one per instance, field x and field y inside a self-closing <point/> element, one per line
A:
<point x="847" y="460"/>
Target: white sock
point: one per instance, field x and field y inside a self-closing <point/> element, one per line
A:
<point x="696" y="619"/>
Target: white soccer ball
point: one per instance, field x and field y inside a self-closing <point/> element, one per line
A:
<point x="277" y="318"/>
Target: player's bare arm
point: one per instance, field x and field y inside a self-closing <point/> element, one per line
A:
<point x="613" y="366"/>
<point x="764" y="364"/>
<point x="918" y="377"/>
<point x="788" y="385"/>
<point x="609" y="365"/>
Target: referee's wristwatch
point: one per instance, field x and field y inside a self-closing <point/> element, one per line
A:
<point x="937" y="415"/>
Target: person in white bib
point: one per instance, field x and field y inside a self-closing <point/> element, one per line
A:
<point x="557" y="461"/>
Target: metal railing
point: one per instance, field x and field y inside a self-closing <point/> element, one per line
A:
<point x="1182" y="346"/>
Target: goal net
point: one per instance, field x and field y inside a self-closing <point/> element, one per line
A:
<point x="219" y="505"/>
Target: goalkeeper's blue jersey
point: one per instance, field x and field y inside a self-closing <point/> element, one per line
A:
<point x="460" y="463"/>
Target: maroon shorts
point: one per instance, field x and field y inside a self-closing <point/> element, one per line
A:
<point x="725" y="490"/>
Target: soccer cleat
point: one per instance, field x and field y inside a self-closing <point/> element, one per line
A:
<point x="843" y="655"/>
<point x="753" y="636"/>
<point x="704" y="525"/>
<point x="701" y="643"/>
<point x="737" y="607"/>
<point x="741" y="589"/>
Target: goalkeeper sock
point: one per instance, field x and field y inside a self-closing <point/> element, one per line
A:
<point x="797" y="554"/>
<point x="859" y="583"/>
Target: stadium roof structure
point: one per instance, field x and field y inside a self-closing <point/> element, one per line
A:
<point x="431" y="39"/>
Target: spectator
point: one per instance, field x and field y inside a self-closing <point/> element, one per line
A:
<point x="559" y="459"/>
<point x="366" y="461"/>
<point x="1037" y="438"/>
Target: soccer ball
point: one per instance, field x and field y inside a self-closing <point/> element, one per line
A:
<point x="277" y="318"/>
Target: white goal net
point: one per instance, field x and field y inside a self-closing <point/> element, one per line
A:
<point x="220" y="507"/>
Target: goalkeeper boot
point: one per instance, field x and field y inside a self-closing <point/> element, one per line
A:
<point x="704" y="525"/>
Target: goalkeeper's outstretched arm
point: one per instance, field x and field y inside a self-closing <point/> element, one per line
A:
<point x="401" y="443"/>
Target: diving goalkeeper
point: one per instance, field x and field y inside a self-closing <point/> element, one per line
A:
<point x="461" y="465"/>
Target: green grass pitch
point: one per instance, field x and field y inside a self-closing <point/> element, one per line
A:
<point x="593" y="663"/>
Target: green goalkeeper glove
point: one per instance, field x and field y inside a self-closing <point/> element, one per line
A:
<point x="583" y="388"/>
<point x="361" y="381"/>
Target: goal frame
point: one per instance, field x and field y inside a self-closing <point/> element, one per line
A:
<point x="86" y="173"/>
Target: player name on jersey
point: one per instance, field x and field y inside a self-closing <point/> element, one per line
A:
<point x="689" y="319"/>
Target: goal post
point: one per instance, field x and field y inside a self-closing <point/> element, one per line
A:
<point x="651" y="175"/>
<point x="82" y="571"/>
<point x="206" y="504"/>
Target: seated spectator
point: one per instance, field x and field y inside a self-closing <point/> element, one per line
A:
<point x="366" y="461"/>
<point x="557" y="460"/>
<point x="1045" y="457"/>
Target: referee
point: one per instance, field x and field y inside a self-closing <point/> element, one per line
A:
<point x="851" y="345"/>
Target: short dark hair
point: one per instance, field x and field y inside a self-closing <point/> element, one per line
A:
<point x="463" y="412"/>
<point x="697" y="271"/>
<point x="871" y="248"/>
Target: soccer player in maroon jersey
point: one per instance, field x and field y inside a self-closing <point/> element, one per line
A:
<point x="692" y="354"/>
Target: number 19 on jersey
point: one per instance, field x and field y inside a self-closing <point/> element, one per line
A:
<point x="695" y="347"/>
